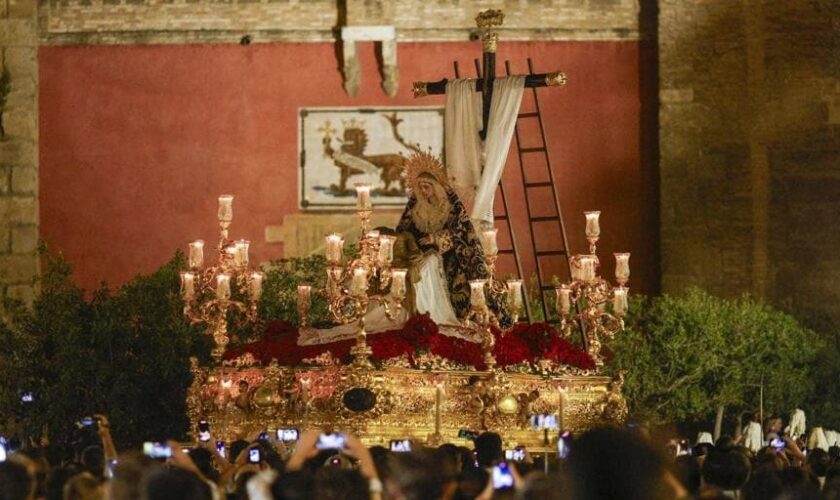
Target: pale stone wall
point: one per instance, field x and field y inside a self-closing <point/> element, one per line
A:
<point x="184" y="21"/>
<point x="750" y="150"/>
<point x="19" y="150"/>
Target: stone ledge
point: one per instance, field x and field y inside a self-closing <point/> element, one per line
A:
<point x="150" y="21"/>
<point x="303" y="234"/>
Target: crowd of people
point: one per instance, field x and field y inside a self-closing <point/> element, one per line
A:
<point x="603" y="463"/>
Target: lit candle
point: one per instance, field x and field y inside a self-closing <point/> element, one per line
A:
<point x="398" y="283"/>
<point x="187" y="285"/>
<point x="491" y="246"/>
<point x="564" y="299"/>
<point x="255" y="287"/>
<point x="223" y="286"/>
<point x="593" y="227"/>
<point x="334" y="248"/>
<point x="622" y="268"/>
<point x="515" y="295"/>
<point x="363" y="196"/>
<point x="226" y="208"/>
<point x="304" y="297"/>
<point x="620" y="300"/>
<point x="477" y="294"/>
<point x="359" y="284"/>
<point x="386" y="249"/>
<point x="196" y="254"/>
<point x="240" y="257"/>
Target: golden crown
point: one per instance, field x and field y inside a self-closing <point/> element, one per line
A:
<point x="424" y="162"/>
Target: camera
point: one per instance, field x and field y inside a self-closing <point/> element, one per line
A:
<point x="544" y="421"/>
<point x="254" y="456"/>
<point x="3" y="449"/>
<point x="220" y="448"/>
<point x="502" y="477"/>
<point x="263" y="437"/>
<point x="467" y="434"/>
<point x="288" y="435"/>
<point x="517" y="454"/>
<point x="157" y="450"/>
<point x="400" y="445"/>
<point x="27" y="397"/>
<point x="330" y="441"/>
<point x="778" y="444"/>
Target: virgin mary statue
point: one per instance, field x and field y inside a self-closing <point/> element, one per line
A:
<point x="437" y="243"/>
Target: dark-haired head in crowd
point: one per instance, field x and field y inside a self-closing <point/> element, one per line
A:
<point x="173" y="483"/>
<point x="16" y="482"/>
<point x="609" y="463"/>
<point x="726" y="469"/>
<point x="488" y="449"/>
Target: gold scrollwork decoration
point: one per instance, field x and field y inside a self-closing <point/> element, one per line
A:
<point x="420" y="89"/>
<point x="556" y="79"/>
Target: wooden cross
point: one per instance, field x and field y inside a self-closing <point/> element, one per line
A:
<point x="486" y="21"/>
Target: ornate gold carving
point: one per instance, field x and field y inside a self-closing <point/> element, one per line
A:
<point x="425" y="405"/>
<point x="490" y="40"/>
<point x="489" y="18"/>
<point x="555" y="79"/>
<point x="485" y="21"/>
<point x="420" y="89"/>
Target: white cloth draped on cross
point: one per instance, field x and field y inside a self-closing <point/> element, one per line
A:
<point x="475" y="167"/>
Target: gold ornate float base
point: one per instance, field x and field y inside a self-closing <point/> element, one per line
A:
<point x="428" y="407"/>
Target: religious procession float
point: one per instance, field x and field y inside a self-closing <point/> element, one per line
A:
<point x="425" y="342"/>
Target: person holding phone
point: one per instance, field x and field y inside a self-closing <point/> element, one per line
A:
<point x="243" y="463"/>
<point x="110" y="451"/>
<point x="313" y="441"/>
<point x="503" y="478"/>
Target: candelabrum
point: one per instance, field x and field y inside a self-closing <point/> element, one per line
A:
<point x="584" y="301"/>
<point x="481" y="319"/>
<point x="207" y="290"/>
<point x="367" y="279"/>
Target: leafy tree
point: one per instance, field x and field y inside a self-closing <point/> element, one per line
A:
<point x="823" y="406"/>
<point x="282" y="277"/>
<point x="687" y="357"/>
<point x="124" y="353"/>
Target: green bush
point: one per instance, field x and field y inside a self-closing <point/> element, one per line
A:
<point x="125" y="354"/>
<point x="683" y="357"/>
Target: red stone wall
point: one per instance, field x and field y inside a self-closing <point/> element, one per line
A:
<point x="136" y="142"/>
